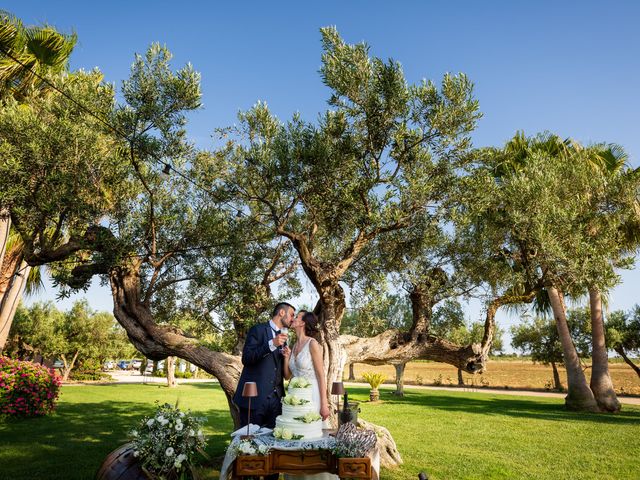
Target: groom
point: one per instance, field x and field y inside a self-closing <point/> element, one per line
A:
<point x="263" y="359"/>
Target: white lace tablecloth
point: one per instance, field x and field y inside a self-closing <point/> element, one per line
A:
<point x="263" y="436"/>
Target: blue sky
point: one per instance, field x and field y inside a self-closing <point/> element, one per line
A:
<point x="569" y="67"/>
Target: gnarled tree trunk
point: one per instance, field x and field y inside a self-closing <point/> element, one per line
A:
<point x="68" y="365"/>
<point x="399" y="378"/>
<point x="159" y="342"/>
<point x="601" y="383"/>
<point x="579" y="395"/>
<point x="557" y="384"/>
<point x="492" y="309"/>
<point x="394" y="346"/>
<point x="170" y="370"/>
<point x="389" y="454"/>
<point x="352" y="375"/>
<point x="620" y="351"/>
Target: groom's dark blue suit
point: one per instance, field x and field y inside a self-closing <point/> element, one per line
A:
<point x="264" y="367"/>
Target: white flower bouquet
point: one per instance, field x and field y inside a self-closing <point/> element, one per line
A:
<point x="250" y="447"/>
<point x="167" y="442"/>
<point x="299" y="382"/>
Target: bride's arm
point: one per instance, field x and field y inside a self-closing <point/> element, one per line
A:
<point x="318" y="366"/>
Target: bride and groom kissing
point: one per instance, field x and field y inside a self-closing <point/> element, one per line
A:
<point x="268" y="360"/>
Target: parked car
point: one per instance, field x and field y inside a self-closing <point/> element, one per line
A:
<point x="123" y="365"/>
<point x="109" y="365"/>
<point x="58" y="364"/>
<point x="136" y="364"/>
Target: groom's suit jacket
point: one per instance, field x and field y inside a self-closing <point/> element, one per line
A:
<point x="262" y="366"/>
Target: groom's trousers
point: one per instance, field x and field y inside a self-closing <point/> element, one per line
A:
<point x="266" y="414"/>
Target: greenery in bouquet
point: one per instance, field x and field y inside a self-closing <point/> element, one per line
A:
<point x="309" y="418"/>
<point x="299" y="382"/>
<point x="293" y="400"/>
<point x="352" y="442"/>
<point x="285" y="434"/>
<point x="250" y="447"/>
<point x="167" y="442"/>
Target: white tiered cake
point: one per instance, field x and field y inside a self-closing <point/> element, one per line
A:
<point x="299" y="419"/>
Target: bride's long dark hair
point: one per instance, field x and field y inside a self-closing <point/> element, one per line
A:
<point x="311" y="325"/>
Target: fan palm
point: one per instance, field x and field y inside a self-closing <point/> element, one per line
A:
<point x="28" y="53"/>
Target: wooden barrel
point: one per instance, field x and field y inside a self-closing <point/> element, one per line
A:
<point x="121" y="465"/>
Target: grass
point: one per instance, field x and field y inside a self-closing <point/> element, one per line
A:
<point x="451" y="435"/>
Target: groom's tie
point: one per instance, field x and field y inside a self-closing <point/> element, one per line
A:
<point x="277" y="332"/>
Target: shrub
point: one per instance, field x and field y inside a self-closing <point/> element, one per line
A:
<point x="373" y="379"/>
<point x="89" y="376"/>
<point x="27" y="389"/>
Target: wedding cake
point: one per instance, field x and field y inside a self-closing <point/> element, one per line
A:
<point x="299" y="419"/>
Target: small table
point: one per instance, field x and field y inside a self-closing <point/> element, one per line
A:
<point x="302" y="462"/>
<point x="293" y="458"/>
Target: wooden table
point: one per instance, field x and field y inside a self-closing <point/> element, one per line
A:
<point x="302" y="462"/>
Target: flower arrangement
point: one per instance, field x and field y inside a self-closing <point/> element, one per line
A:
<point x="250" y="447"/>
<point x="166" y="443"/>
<point x="352" y="442"/>
<point x="309" y="418"/>
<point x="285" y="434"/>
<point x="27" y="389"/>
<point x="299" y="382"/>
<point x="293" y="400"/>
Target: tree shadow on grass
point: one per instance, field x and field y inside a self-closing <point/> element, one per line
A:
<point x="499" y="405"/>
<point x="73" y="442"/>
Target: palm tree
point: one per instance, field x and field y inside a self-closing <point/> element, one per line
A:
<point x="19" y="278"/>
<point x="27" y="53"/>
<point x="611" y="161"/>
<point x="512" y="158"/>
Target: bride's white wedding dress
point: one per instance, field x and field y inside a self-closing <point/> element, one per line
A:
<point x="301" y="365"/>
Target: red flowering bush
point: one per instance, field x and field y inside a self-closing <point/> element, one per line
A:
<point x="27" y="389"/>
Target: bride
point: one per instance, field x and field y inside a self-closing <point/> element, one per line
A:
<point x="305" y="360"/>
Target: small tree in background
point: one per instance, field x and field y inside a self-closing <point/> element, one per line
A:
<point x="82" y="338"/>
<point x="539" y="338"/>
<point x="623" y="335"/>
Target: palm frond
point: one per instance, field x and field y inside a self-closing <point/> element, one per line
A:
<point x="34" y="281"/>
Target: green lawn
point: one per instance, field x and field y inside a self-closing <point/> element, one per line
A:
<point x="451" y="435"/>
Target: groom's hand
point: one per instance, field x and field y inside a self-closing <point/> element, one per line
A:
<point x="280" y="339"/>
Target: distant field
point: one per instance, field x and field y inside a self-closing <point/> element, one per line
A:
<point x="516" y="374"/>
